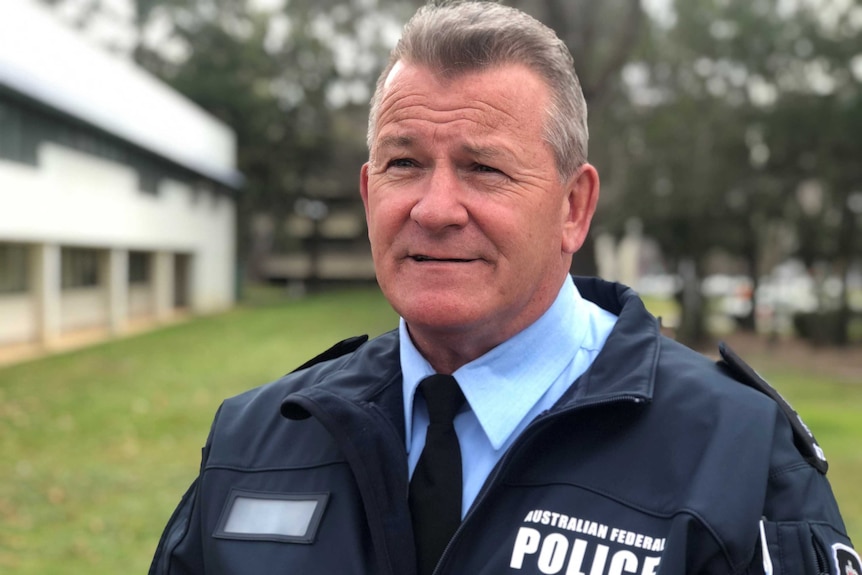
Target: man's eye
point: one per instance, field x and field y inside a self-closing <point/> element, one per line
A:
<point x="401" y="163"/>
<point x="485" y="169"/>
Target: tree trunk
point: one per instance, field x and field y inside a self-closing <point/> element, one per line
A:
<point x="691" y="330"/>
<point x="584" y="261"/>
<point x="845" y="258"/>
<point x="752" y="256"/>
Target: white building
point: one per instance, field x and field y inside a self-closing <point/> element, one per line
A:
<point x="116" y="194"/>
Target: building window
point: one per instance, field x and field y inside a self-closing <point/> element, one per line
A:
<point x="15" y="144"/>
<point x="25" y="128"/>
<point x="80" y="268"/>
<point x="14" y="268"/>
<point x="139" y="267"/>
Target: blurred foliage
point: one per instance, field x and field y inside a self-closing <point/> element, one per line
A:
<point x="737" y="131"/>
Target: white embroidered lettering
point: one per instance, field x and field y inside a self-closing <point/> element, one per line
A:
<point x="650" y="565"/>
<point x="576" y="561"/>
<point x="553" y="554"/>
<point x="526" y="543"/>
<point x="599" y="560"/>
<point x="623" y="561"/>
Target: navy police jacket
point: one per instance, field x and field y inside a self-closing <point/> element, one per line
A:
<point x="657" y="461"/>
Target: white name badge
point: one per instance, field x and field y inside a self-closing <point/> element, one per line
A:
<point x="265" y="516"/>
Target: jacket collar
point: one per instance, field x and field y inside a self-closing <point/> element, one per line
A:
<point x="364" y="376"/>
<point x="624" y="368"/>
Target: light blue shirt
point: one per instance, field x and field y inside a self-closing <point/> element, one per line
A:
<point x="509" y="385"/>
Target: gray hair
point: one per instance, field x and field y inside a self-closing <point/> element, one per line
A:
<point x="453" y="37"/>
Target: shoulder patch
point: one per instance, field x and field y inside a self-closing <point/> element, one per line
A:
<point x="802" y="436"/>
<point x="343" y="347"/>
<point x="846" y="560"/>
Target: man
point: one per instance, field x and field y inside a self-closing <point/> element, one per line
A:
<point x="577" y="440"/>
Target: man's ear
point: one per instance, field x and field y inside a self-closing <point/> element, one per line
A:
<point x="363" y="187"/>
<point x="581" y="199"/>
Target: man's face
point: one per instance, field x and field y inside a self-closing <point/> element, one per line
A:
<point x="471" y="228"/>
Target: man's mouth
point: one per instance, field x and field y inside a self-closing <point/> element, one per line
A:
<point x="422" y="258"/>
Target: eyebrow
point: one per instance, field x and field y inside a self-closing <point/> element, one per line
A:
<point x="396" y="142"/>
<point x="483" y="151"/>
<point x="402" y="142"/>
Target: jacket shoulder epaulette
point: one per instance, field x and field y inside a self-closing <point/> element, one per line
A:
<point x="803" y="439"/>
<point x="341" y="348"/>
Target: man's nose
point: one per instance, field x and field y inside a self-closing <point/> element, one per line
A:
<point x="441" y="204"/>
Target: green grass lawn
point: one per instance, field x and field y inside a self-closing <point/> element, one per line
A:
<point x="832" y="409"/>
<point x="97" y="446"/>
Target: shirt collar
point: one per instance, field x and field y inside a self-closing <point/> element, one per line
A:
<point x="504" y="384"/>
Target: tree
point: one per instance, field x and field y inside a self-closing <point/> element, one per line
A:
<point x="733" y="104"/>
<point x="602" y="36"/>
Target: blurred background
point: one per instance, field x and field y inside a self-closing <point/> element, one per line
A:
<point x="192" y="135"/>
<point x="192" y="165"/>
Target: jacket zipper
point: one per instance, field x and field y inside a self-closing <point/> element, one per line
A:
<point x="822" y="561"/>
<point x="532" y="429"/>
<point x="764" y="549"/>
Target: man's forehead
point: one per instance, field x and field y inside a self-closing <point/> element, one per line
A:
<point x="477" y="111"/>
<point x="465" y="144"/>
<point x="399" y="65"/>
<point x="448" y="75"/>
<point x="500" y="89"/>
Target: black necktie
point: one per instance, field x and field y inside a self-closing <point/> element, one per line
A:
<point x="435" y="490"/>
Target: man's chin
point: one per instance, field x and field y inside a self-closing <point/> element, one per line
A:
<point x="447" y="318"/>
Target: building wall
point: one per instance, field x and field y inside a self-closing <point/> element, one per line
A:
<point x="74" y="199"/>
<point x="83" y="308"/>
<point x="101" y="162"/>
<point x="18" y="319"/>
<point x="71" y="199"/>
<point x="141" y="301"/>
